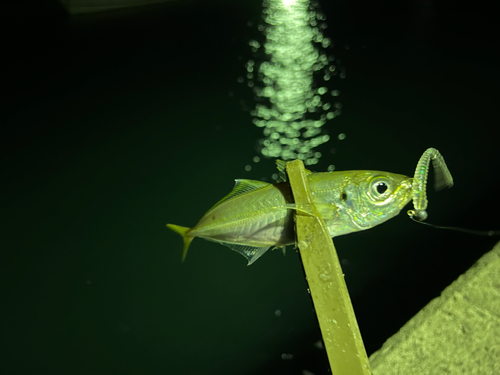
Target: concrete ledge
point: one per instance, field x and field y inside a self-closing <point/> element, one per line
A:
<point x="456" y="333"/>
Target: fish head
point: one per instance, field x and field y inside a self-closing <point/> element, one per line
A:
<point x="369" y="198"/>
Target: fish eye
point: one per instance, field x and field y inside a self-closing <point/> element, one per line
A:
<point x="380" y="187"/>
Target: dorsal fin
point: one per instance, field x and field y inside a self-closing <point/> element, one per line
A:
<point x="281" y="165"/>
<point x="242" y="187"/>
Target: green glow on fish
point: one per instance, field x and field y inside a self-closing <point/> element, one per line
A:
<point x="256" y="216"/>
<point x="289" y="105"/>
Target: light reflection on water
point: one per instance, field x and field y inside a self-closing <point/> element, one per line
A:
<point x="290" y="77"/>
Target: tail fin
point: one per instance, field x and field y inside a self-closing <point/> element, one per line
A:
<point x="184" y="232"/>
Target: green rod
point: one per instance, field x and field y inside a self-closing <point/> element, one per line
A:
<point x="341" y="336"/>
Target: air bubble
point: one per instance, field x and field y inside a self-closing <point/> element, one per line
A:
<point x="319" y="345"/>
<point x="291" y="111"/>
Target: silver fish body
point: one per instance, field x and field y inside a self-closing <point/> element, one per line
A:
<point x="256" y="215"/>
<point x="258" y="218"/>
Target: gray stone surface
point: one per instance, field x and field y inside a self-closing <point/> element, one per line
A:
<point x="456" y="333"/>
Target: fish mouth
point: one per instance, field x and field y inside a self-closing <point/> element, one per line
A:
<point x="403" y="192"/>
<point x="401" y="195"/>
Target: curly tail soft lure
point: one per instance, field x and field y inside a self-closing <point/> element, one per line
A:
<point x="442" y="179"/>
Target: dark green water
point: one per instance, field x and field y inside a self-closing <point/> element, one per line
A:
<point x="118" y="123"/>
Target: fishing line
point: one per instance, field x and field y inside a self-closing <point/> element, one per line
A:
<point x="489" y="233"/>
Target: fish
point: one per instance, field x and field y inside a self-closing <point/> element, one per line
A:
<point x="256" y="216"/>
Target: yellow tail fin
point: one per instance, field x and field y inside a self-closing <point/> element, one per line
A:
<point x="184" y="232"/>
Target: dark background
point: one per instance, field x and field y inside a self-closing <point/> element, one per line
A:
<point x="114" y="124"/>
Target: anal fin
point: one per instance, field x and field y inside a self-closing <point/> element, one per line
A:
<point x="252" y="253"/>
